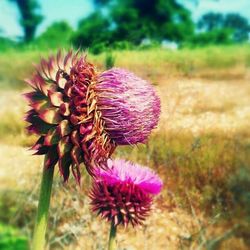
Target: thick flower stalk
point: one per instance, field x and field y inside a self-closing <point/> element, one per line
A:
<point x="123" y="193"/>
<point x="81" y="115"/>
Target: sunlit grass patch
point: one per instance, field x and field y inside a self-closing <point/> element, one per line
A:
<point x="12" y="124"/>
<point x="213" y="62"/>
<point x="12" y="130"/>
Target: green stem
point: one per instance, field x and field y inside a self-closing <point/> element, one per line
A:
<point x="43" y="209"/>
<point x="112" y="236"/>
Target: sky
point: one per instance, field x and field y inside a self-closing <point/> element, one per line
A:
<point x="74" y="10"/>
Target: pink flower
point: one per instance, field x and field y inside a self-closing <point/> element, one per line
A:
<point x="123" y="193"/>
<point x="130" y="106"/>
<point x="81" y="115"/>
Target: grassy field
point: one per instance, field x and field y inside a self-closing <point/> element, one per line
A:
<point x="201" y="149"/>
<point x="222" y="62"/>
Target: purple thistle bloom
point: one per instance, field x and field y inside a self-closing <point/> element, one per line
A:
<point x="130" y="106"/>
<point x="81" y="115"/>
<point x="124" y="192"/>
<point x="65" y="116"/>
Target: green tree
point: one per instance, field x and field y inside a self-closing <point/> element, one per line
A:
<point x="92" y="30"/>
<point x="155" y="19"/>
<point x="211" y="21"/>
<point x="213" y="37"/>
<point x="57" y="34"/>
<point x="133" y="21"/>
<point x="29" y="19"/>
<point x="237" y="24"/>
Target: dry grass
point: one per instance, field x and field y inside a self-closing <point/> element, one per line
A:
<point x="223" y="62"/>
<point x="203" y="106"/>
<point x="201" y="150"/>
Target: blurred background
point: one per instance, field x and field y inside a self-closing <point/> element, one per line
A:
<point x="197" y="54"/>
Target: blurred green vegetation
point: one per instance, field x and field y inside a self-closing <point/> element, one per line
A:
<point x="128" y="24"/>
<point x="12" y="239"/>
<point x="216" y="62"/>
<point x="29" y="18"/>
<point x="57" y="35"/>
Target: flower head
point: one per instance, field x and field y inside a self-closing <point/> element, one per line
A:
<point x="123" y="192"/>
<point x="130" y="106"/>
<point x="81" y="116"/>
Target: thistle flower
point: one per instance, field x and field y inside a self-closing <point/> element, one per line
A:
<point x="123" y="193"/>
<point x="81" y="116"/>
<point x="129" y="105"/>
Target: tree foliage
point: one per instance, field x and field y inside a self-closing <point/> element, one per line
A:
<point x="29" y="19"/>
<point x="135" y="20"/>
<point x="92" y="30"/>
<point x="155" y="19"/>
<point x="211" y="21"/>
<point x="213" y="37"/>
<point x="57" y="34"/>
<point x="237" y="24"/>
<point x="127" y="23"/>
